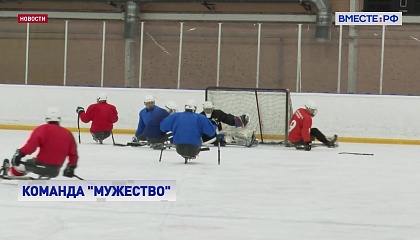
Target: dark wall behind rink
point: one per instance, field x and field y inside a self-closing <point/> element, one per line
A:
<point x="238" y="57"/>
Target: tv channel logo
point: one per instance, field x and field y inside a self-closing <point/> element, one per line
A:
<point x="368" y="18"/>
<point x="32" y="18"/>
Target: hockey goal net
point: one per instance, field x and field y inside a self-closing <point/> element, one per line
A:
<point x="270" y="110"/>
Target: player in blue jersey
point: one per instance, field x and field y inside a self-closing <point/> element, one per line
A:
<point x="144" y="117"/>
<point x="187" y="128"/>
<point x="154" y="136"/>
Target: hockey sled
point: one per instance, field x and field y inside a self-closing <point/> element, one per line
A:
<point x="4" y="177"/>
<point x="318" y="144"/>
<point x="186" y="158"/>
<point x="160" y="146"/>
<point x="189" y="158"/>
<point x="5" y="167"/>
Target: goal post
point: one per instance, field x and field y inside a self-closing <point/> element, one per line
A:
<point x="270" y="110"/>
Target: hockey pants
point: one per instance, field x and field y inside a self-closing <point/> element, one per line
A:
<point x="315" y="134"/>
<point x="101" y="135"/>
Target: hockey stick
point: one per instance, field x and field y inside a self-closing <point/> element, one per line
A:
<point x="356" y="153"/>
<point x="259" y="116"/>
<point x="121" y="145"/>
<point x="78" y="126"/>
<point x="112" y="135"/>
<point x="218" y="149"/>
<point x="161" y="151"/>
<point x="74" y="175"/>
<point x="117" y="144"/>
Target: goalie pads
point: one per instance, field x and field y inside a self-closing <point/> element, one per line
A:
<point x="242" y="137"/>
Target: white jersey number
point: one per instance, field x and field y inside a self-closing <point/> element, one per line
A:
<point x="292" y="125"/>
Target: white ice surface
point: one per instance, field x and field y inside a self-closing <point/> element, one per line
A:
<point x="265" y="192"/>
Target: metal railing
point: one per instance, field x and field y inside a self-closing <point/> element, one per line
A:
<point x="197" y="54"/>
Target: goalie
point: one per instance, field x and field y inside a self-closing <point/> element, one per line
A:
<point x="239" y="135"/>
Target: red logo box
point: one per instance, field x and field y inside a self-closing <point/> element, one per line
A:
<point x="32" y="18"/>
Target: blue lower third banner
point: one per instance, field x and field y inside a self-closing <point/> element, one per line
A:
<point x="97" y="191"/>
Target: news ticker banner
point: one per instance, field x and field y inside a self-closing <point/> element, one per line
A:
<point x="341" y="18"/>
<point x="97" y="191"/>
<point x="32" y="18"/>
<point x="368" y="18"/>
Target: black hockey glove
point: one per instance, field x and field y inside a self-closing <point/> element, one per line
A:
<point x="79" y="110"/>
<point x="308" y="146"/>
<point x="215" y="121"/>
<point x="16" y="159"/>
<point x="69" y="171"/>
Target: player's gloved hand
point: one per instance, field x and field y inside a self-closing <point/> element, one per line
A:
<point x="308" y="146"/>
<point x="214" y="121"/>
<point x="16" y="159"/>
<point x="69" y="171"/>
<point x="134" y="139"/>
<point x="79" y="110"/>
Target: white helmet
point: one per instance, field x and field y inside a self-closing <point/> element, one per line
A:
<point x="208" y="104"/>
<point x="149" y="98"/>
<point x="190" y="105"/>
<point x="101" y="97"/>
<point x="171" y="107"/>
<point x="52" y="115"/>
<point x="208" y="108"/>
<point x="311" y="106"/>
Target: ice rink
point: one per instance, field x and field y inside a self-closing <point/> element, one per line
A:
<point x="267" y="192"/>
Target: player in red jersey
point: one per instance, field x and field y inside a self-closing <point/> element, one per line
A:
<point x="55" y="144"/>
<point x="301" y="133"/>
<point x="103" y="116"/>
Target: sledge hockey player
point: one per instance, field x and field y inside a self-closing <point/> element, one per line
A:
<point x="55" y="143"/>
<point x="187" y="128"/>
<point x="144" y="117"/>
<point x="240" y="135"/>
<point x="301" y="133"/>
<point x="154" y="136"/>
<point x="103" y="116"/>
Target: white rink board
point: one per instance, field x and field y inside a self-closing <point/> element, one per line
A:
<point x="349" y="115"/>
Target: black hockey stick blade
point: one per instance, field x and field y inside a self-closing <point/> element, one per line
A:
<point x="74" y="175"/>
<point x="121" y="145"/>
<point x="136" y="144"/>
<point x="357" y="153"/>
